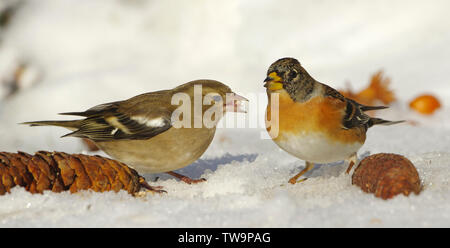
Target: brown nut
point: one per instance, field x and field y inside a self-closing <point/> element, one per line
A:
<point x="387" y="175"/>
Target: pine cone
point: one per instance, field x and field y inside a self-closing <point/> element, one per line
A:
<point x="387" y="175"/>
<point x="58" y="171"/>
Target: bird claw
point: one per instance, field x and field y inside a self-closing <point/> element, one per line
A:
<point x="351" y="162"/>
<point x="186" y="179"/>
<point x="349" y="168"/>
<point x="294" y="180"/>
<point x="157" y="190"/>
<point x="152" y="189"/>
<point x="309" y="166"/>
<point x="192" y="181"/>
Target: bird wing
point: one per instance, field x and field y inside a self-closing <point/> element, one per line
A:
<point x="141" y="117"/>
<point x="354" y="116"/>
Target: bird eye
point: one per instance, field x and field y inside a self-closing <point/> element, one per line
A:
<point x="292" y="74"/>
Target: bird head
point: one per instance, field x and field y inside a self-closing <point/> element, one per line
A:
<point x="209" y="100"/>
<point x="284" y="72"/>
<point x="211" y="93"/>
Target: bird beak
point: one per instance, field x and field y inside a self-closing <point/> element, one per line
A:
<point x="235" y="103"/>
<point x="267" y="80"/>
<point x="273" y="81"/>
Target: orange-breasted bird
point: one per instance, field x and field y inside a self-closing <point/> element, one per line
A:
<point x="315" y="122"/>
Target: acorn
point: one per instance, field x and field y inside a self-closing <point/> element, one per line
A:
<point x="387" y="175"/>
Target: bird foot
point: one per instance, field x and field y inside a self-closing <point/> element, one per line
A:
<point x="307" y="168"/>
<point x="152" y="189"/>
<point x="350" y="166"/>
<point x="192" y="181"/>
<point x="351" y="162"/>
<point x="294" y="180"/>
<point x="186" y="179"/>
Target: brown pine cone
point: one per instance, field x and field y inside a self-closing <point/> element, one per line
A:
<point x="58" y="171"/>
<point x="387" y="175"/>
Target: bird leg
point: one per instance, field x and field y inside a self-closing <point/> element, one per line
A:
<point x="185" y="178"/>
<point x="156" y="189"/>
<point x="307" y="168"/>
<point x="352" y="161"/>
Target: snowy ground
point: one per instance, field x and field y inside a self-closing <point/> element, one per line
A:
<point x="90" y="52"/>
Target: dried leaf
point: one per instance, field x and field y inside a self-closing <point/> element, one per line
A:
<point x="377" y="91"/>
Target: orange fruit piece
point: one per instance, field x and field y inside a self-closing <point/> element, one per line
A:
<point x="425" y="104"/>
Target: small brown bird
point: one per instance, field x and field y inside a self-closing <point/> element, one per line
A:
<point x="315" y="122"/>
<point x="153" y="132"/>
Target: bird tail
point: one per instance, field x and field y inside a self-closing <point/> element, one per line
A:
<point x="378" y="121"/>
<point x="368" y="108"/>
<point x="72" y="125"/>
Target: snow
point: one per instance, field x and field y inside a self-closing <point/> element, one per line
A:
<point x="90" y="52"/>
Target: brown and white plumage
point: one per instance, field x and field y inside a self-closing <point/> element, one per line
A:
<point x="140" y="132"/>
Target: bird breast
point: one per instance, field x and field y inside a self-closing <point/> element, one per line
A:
<point x="316" y="148"/>
<point x="170" y="150"/>
<point x="312" y="130"/>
